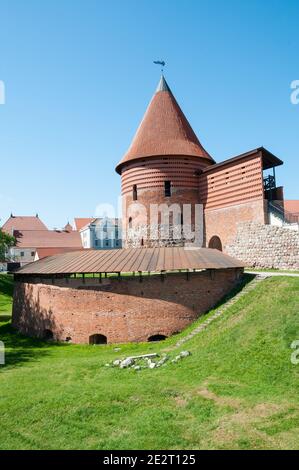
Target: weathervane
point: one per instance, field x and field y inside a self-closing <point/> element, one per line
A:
<point x="160" y="62"/>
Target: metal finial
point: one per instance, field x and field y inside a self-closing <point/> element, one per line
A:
<point x="160" y="62"/>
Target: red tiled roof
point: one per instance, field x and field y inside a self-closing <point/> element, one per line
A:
<point x="44" y="252"/>
<point x="80" y="222"/>
<point x="164" y="130"/>
<point x="292" y="206"/>
<point x="47" y="239"/>
<point x="23" y="223"/>
<point x="68" y="227"/>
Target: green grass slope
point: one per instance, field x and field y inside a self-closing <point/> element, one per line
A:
<point x="238" y="390"/>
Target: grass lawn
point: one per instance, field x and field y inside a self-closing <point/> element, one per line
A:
<point x="273" y="270"/>
<point x="238" y="389"/>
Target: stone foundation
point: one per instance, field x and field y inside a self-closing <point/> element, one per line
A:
<point x="123" y="310"/>
<point x="266" y="246"/>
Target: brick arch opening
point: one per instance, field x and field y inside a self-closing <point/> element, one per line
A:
<point x="48" y="335"/>
<point x="97" y="339"/>
<point x="215" y="243"/>
<point x="157" y="338"/>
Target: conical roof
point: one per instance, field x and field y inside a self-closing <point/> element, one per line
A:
<point x="164" y="130"/>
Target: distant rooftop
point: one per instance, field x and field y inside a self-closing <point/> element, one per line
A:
<point x="16" y="222"/>
<point x="47" y="239"/>
<point x="80" y="222"/>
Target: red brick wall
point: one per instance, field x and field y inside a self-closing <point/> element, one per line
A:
<point x="224" y="222"/>
<point x="232" y="183"/>
<point x="123" y="310"/>
<point x="232" y="193"/>
<point x="149" y="176"/>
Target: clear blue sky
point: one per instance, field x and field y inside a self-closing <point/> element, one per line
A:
<point x="79" y="75"/>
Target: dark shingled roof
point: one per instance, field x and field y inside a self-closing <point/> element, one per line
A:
<point x="132" y="260"/>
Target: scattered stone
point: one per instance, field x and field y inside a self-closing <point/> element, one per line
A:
<point x="145" y="356"/>
<point x="126" y="363"/>
<point x="145" y="361"/>
<point x="117" y="362"/>
<point x="185" y="353"/>
<point x="116" y="349"/>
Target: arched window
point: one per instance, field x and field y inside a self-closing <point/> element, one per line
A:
<point x="157" y="338"/>
<point x="130" y="222"/>
<point x="97" y="339"/>
<point x="215" y="243"/>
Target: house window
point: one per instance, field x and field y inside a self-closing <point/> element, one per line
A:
<point x="22" y="253"/>
<point x="134" y="192"/>
<point x="167" y="188"/>
<point x="32" y="253"/>
<point x="107" y="242"/>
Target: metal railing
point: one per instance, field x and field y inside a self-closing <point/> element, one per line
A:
<point x="286" y="216"/>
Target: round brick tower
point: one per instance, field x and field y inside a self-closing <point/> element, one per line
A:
<point x="159" y="174"/>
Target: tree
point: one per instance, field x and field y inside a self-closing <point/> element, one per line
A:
<point x="6" y="241"/>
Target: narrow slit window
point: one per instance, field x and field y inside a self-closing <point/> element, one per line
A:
<point x="167" y="188"/>
<point x="134" y="192"/>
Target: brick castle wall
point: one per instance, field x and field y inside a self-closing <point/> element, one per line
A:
<point x="224" y="222"/>
<point x="123" y="309"/>
<point x="149" y="177"/>
<point x="266" y="246"/>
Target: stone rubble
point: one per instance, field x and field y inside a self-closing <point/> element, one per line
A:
<point x="146" y="361"/>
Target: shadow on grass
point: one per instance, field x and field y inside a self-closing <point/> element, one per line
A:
<point x="245" y="279"/>
<point x="6" y="284"/>
<point x="170" y="343"/>
<point x="21" y="349"/>
<point x="4" y="318"/>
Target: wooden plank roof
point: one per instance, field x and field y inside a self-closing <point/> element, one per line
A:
<point x="132" y="260"/>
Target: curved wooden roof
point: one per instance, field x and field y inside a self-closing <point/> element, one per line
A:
<point x="132" y="260"/>
<point x="164" y="130"/>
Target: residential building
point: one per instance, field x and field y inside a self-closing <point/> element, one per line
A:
<point x="101" y="233"/>
<point x="34" y="240"/>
